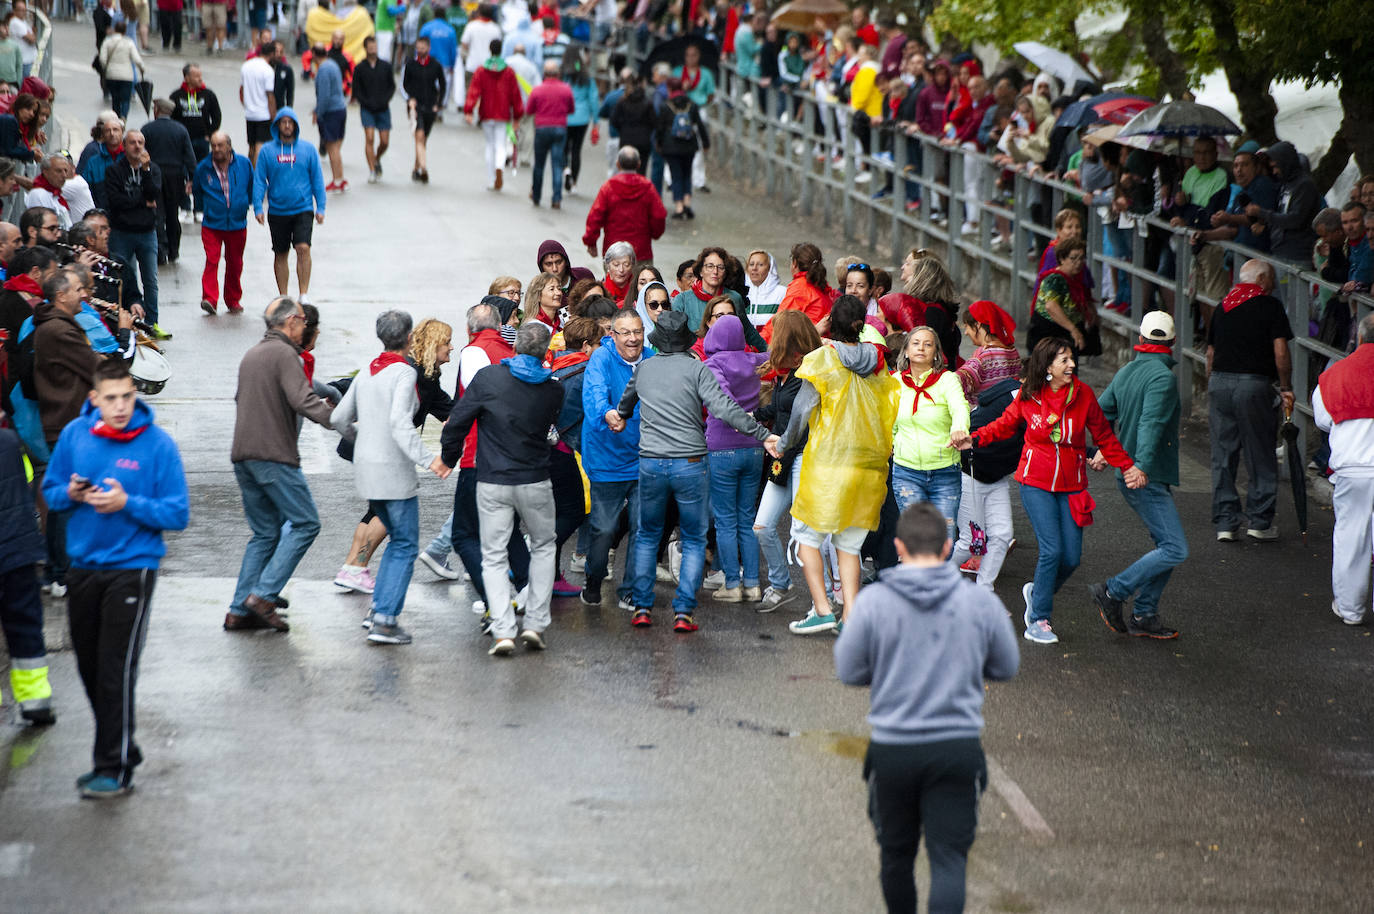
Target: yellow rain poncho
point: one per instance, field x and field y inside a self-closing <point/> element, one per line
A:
<point x="844" y="466"/>
<point x="320" y="25"/>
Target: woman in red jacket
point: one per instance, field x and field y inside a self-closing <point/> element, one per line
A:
<point x="808" y="291"/>
<point x="1055" y="409"/>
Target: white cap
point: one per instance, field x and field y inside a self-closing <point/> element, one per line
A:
<point x="1157" y="327"/>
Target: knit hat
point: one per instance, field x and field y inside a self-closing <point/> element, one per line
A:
<point x="1157" y="327"/>
<point x="671" y="333"/>
<point x="504" y="306"/>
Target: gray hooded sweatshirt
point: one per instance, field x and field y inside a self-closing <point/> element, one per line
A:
<point x="925" y="639"/>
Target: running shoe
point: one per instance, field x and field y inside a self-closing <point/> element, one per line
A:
<point x="388" y="634"/>
<point x="683" y="622"/>
<point x="104" y="787"/>
<point x="774" y="597"/>
<point x="1150" y="627"/>
<point x="1109" y="608"/>
<point x="561" y="588"/>
<point x="642" y="619"/>
<point x="533" y="640"/>
<point x="578" y="565"/>
<point x="351" y="577"/>
<point x="972" y="565"/>
<point x="439" y="565"/>
<point x="503" y="647"/>
<point x="1040" y="632"/>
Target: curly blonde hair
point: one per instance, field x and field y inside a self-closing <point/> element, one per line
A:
<point x="428" y="336"/>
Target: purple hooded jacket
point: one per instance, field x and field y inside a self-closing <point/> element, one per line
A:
<point x="734" y="367"/>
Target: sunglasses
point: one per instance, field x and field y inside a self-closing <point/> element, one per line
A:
<point x="857" y="266"/>
<point x="658" y="305"/>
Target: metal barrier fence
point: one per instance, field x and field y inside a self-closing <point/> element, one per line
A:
<point x="779" y="155"/>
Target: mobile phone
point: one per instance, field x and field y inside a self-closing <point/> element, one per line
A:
<point x="82" y="482"/>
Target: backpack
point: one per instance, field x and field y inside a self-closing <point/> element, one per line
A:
<point x="682" y="126"/>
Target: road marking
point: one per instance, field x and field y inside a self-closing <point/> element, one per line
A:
<point x="14" y="859"/>
<point x="1023" y="809"/>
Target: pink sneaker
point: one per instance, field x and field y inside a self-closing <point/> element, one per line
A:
<point x="561" y="588"/>
<point x="355" y="579"/>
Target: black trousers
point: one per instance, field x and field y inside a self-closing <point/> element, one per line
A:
<point x="169" y="228"/>
<point x="108" y="612"/>
<point x="21" y="612"/>
<point x="572" y="155"/>
<point x="930" y="787"/>
<point x="169" y="21"/>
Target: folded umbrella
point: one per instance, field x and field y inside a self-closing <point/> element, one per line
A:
<point x="144" y="88"/>
<point x="1297" y="473"/>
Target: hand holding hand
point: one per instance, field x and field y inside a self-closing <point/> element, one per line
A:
<point x="1098" y="462"/>
<point x="961" y="441"/>
<point x="439" y="468"/>
<point x="108" y="500"/>
<point x="613" y="419"/>
<point x="770" y="444"/>
<point x="1135" y="478"/>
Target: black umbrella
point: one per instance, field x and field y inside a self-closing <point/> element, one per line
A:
<point x="145" y="94"/>
<point x="1297" y="475"/>
<point x="673" y="52"/>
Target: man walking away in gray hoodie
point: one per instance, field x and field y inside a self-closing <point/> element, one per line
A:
<point x="924" y="640"/>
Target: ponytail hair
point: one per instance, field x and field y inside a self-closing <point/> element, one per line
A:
<point x="808" y="259"/>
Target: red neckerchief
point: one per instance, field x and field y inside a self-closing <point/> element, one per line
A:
<point x="569" y="358"/>
<point x="117" y="151"/>
<point x="24" y="283"/>
<point x="422" y="61"/>
<point x="308" y="363"/>
<point x="553" y="323"/>
<point x="185" y="87"/>
<point x="101" y="430"/>
<point x="44" y="184"/>
<point x="1154" y="347"/>
<point x="1239" y="295"/>
<point x="700" y="292"/>
<point x="690" y="83"/>
<point x="24" y="132"/>
<point x="923" y="388"/>
<point x="1053" y="410"/>
<point x="385" y="359"/>
<point x="617" y="292"/>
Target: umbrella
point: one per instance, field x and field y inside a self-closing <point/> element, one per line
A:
<point x="1297" y="474"/>
<point x="1102" y="135"/>
<point x="673" y="52"/>
<point x="800" y="15"/>
<point x="144" y="88"/>
<point x="1054" y="62"/>
<point x="1112" y="107"/>
<point x="1180" y="119"/>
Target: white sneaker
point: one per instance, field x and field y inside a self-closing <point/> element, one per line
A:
<point x="303" y="299"/>
<point x="968" y="228"/>
<point x="503" y="647"/>
<point x="664" y="575"/>
<point x="578" y="565"/>
<point x="863" y="177"/>
<point x="714" y="580"/>
<point x="200" y="217"/>
<point x="1267" y="535"/>
<point x="184" y="216"/>
<point x="1344" y="618"/>
<point x="1026" y="592"/>
<point x="354" y="578"/>
<point x="479" y="608"/>
<point x="57" y="590"/>
<point x="625" y="605"/>
<point x="1227" y="536"/>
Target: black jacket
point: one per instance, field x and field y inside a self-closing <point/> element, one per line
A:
<point x="425" y="84"/>
<point x="20" y="542"/>
<point x="284" y="88"/>
<point x="11" y="144"/>
<point x="669" y="145"/>
<point x="169" y="146"/>
<point x="513" y="419"/>
<point x="778" y="413"/>
<point x="128" y="194"/>
<point x="433" y="400"/>
<point x="633" y="116"/>
<point x="373" y="85"/>
<point x="992" y="462"/>
<point x="199" y="113"/>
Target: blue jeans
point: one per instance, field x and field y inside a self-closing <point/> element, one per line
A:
<point x="273" y="493"/>
<point x="608" y="498"/>
<point x="1061" y="545"/>
<point x="442" y="544"/>
<point x="549" y="140"/>
<point x="684" y="479"/>
<point x="402" y="519"/>
<point x="1147" y="577"/>
<point x="121" y="93"/>
<point x="734" y="484"/>
<point x="140" y="249"/>
<point x="941" y="488"/>
<point x="656" y="171"/>
<point x="776" y="501"/>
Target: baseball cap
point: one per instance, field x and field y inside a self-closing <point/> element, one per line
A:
<point x="1157" y="327"/>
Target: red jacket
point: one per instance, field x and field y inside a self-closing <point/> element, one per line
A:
<point x="1059" y="463"/>
<point x="490" y="342"/>
<point x="904" y="312"/>
<point x="806" y="298"/>
<point x="627" y="208"/>
<point x="499" y="92"/>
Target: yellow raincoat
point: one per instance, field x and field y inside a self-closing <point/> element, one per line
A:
<point x="844" y="466"/>
<point x="320" y="25"/>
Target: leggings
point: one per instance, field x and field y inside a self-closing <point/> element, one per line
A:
<point x="573" y="153"/>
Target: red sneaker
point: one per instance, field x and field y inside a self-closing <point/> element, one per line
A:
<point x="332" y="187"/>
<point x="641" y="619"/>
<point x="972" y="565"/>
<point x="684" y="623"/>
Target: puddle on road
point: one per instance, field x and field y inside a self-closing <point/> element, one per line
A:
<point x="845" y="745"/>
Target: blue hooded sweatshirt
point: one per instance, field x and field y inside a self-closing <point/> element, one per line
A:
<point x="288" y="174"/>
<point x="607" y="456"/>
<point x="147" y="465"/>
<point x="222" y="215"/>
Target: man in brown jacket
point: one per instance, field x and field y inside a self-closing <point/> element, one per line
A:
<point x="272" y="391"/>
<point x="63" y="360"/>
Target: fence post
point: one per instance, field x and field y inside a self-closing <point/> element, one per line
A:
<point x="899" y="150"/>
<point x="851" y="166"/>
<point x="1185" y="317"/>
<point x="804" y="170"/>
<point x="956" y="193"/>
<point x="1017" y="251"/>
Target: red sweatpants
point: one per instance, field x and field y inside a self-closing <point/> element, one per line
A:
<point x="233" y="242"/>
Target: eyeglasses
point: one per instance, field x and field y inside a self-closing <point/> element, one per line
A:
<point x="713" y="267"/>
<point x="629" y="333"/>
<point x="658" y="305"/>
<point x="512" y="294"/>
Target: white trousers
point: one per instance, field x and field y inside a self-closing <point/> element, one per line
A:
<point x="1350" y="544"/>
<point x="495" y="133"/>
<point x="987" y="504"/>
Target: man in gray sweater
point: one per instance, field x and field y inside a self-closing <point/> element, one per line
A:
<point x="272" y="392"/>
<point x="671" y="390"/>
<point x="924" y="640"/>
<point x="382" y="400"/>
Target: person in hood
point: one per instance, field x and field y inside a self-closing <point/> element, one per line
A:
<point x="670" y="392"/>
<point x="513" y="404"/>
<point x="626" y="208"/>
<point x="1142" y="401"/>
<point x="122" y="481"/>
<point x="1055" y="411"/>
<point x="1290" y="223"/>
<point x="553" y="258"/>
<point x="494" y="98"/>
<point x="680" y="134"/>
<point x="653" y="301"/>
<point x="847" y="406"/>
<point x="379" y="408"/>
<point x="924" y="641"/>
<point x="765" y="290"/>
<point x="735" y="459"/>
<point x="288" y="183"/>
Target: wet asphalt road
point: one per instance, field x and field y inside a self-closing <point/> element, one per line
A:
<point x="643" y="771"/>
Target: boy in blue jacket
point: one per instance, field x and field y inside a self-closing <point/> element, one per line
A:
<point x="121" y="477"/>
<point x="289" y="180"/>
<point x="924" y="640"/>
